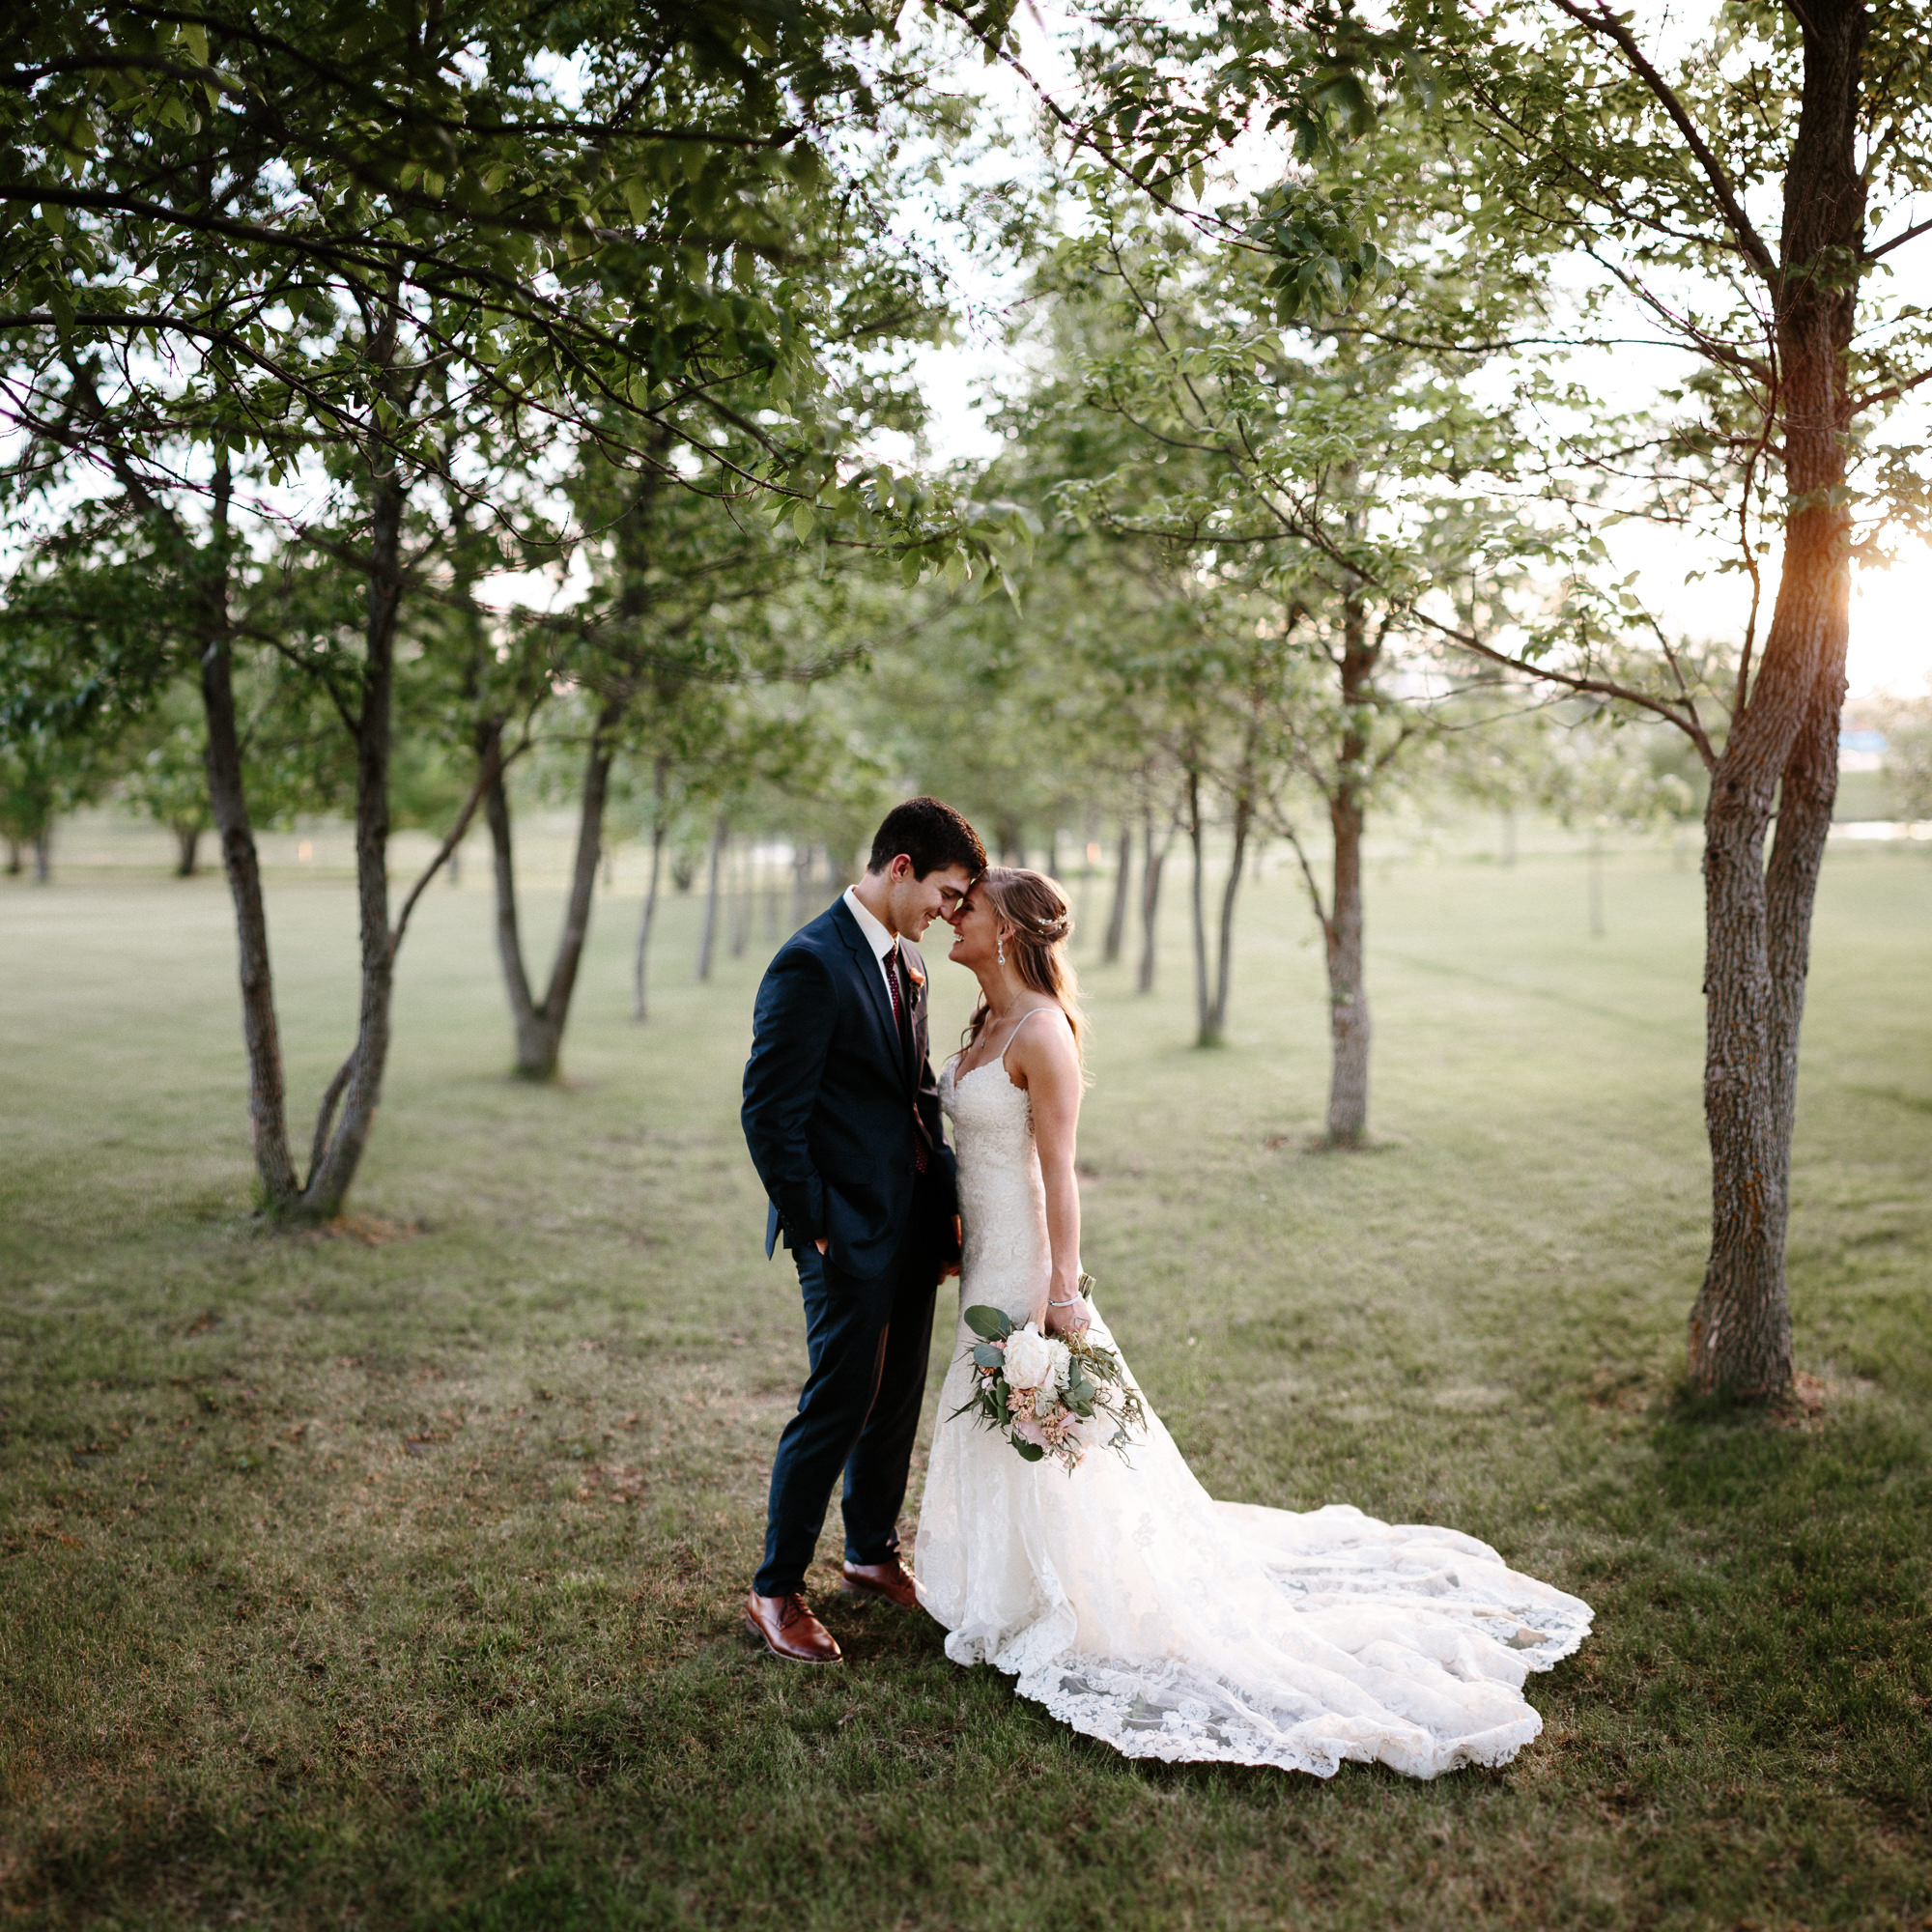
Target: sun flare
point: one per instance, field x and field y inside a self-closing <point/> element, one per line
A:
<point x="1891" y="648"/>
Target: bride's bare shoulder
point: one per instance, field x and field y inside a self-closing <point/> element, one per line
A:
<point x="1042" y="1048"/>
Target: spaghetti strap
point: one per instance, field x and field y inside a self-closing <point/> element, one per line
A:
<point x="1016" y="1033"/>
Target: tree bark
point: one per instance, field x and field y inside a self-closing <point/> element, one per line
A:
<point x="640" y="962"/>
<point x="1153" y="860"/>
<point x="1216" y="1029"/>
<point x="1116" y="912"/>
<point x="1781" y="755"/>
<point x="43" y="854"/>
<point x="1198" y="906"/>
<point x="261" y="1036"/>
<point x="537" y="1026"/>
<point x="1349" y="1029"/>
<point x="341" y="1138"/>
<point x="187" y="850"/>
<point x="741" y="903"/>
<point x="707" y="940"/>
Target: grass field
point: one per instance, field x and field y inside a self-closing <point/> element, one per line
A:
<point x="393" y="1580"/>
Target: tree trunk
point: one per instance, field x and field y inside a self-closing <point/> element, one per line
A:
<point x="502" y="851"/>
<point x="640" y="962"/>
<point x="707" y="940"/>
<point x="1154" y="862"/>
<point x="1198" y="905"/>
<point x="1116" y="913"/>
<point x="801" y="884"/>
<point x="341" y="1139"/>
<point x="43" y="854"/>
<point x="15" y="857"/>
<point x="1348" y="1031"/>
<point x="1347" y="988"/>
<point x="1085" y="857"/>
<point x="1216" y="1029"/>
<point x="1781" y="754"/>
<point x="538" y="1025"/>
<point x="187" y="850"/>
<point x="741" y="904"/>
<point x="555" y="1011"/>
<point x="261" y="1038"/>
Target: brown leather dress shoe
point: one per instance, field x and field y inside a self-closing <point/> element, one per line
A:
<point x="891" y="1579"/>
<point x="790" y="1631"/>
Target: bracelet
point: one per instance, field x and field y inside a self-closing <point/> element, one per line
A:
<point x="1087" y="1282"/>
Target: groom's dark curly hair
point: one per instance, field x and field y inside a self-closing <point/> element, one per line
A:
<point x="931" y="835"/>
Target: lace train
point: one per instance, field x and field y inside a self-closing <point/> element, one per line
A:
<point x="1138" y="1610"/>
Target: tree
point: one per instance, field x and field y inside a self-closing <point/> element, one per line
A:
<point x="689" y="602"/>
<point x="357" y="246"/>
<point x="166" y="780"/>
<point x="1647" y="172"/>
<point x="1310" y="485"/>
<point x="44" y="775"/>
<point x="1653" y="166"/>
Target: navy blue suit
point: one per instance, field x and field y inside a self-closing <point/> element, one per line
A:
<point x="835" y="1096"/>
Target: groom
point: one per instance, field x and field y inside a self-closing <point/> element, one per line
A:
<point x="842" y="1116"/>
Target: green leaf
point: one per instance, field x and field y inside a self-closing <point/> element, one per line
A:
<point x="986" y="1356"/>
<point x="989" y="1323"/>
<point x="1031" y="1452"/>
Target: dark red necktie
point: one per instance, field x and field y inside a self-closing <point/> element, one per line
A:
<point x="901" y="1011"/>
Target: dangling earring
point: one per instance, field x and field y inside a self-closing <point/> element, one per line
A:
<point x="1000" y="947"/>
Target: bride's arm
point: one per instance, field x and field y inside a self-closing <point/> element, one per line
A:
<point x="1046" y="1059"/>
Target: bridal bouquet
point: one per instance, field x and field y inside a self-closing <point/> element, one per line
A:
<point x="1039" y="1390"/>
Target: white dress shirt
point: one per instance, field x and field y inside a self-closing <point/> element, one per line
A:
<point x="880" y="941"/>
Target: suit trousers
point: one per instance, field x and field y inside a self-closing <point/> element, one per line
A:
<point x="866" y="1343"/>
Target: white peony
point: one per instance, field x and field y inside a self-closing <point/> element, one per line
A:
<point x="1029" y="1358"/>
<point x="1056" y="1376"/>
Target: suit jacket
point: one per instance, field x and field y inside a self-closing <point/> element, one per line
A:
<point x="829" y="1100"/>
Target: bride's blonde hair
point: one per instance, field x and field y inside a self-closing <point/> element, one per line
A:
<point x="1042" y="918"/>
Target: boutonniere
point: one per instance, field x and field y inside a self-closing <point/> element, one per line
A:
<point x="914" y="972"/>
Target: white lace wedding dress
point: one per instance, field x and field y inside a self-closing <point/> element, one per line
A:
<point x="1138" y="1610"/>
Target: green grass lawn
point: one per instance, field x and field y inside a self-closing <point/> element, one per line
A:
<point x="394" y="1581"/>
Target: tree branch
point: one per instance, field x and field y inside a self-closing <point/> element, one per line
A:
<point x="493" y="766"/>
<point x="1600" y="19"/>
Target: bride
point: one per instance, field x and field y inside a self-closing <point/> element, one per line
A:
<point x="1121" y="1596"/>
